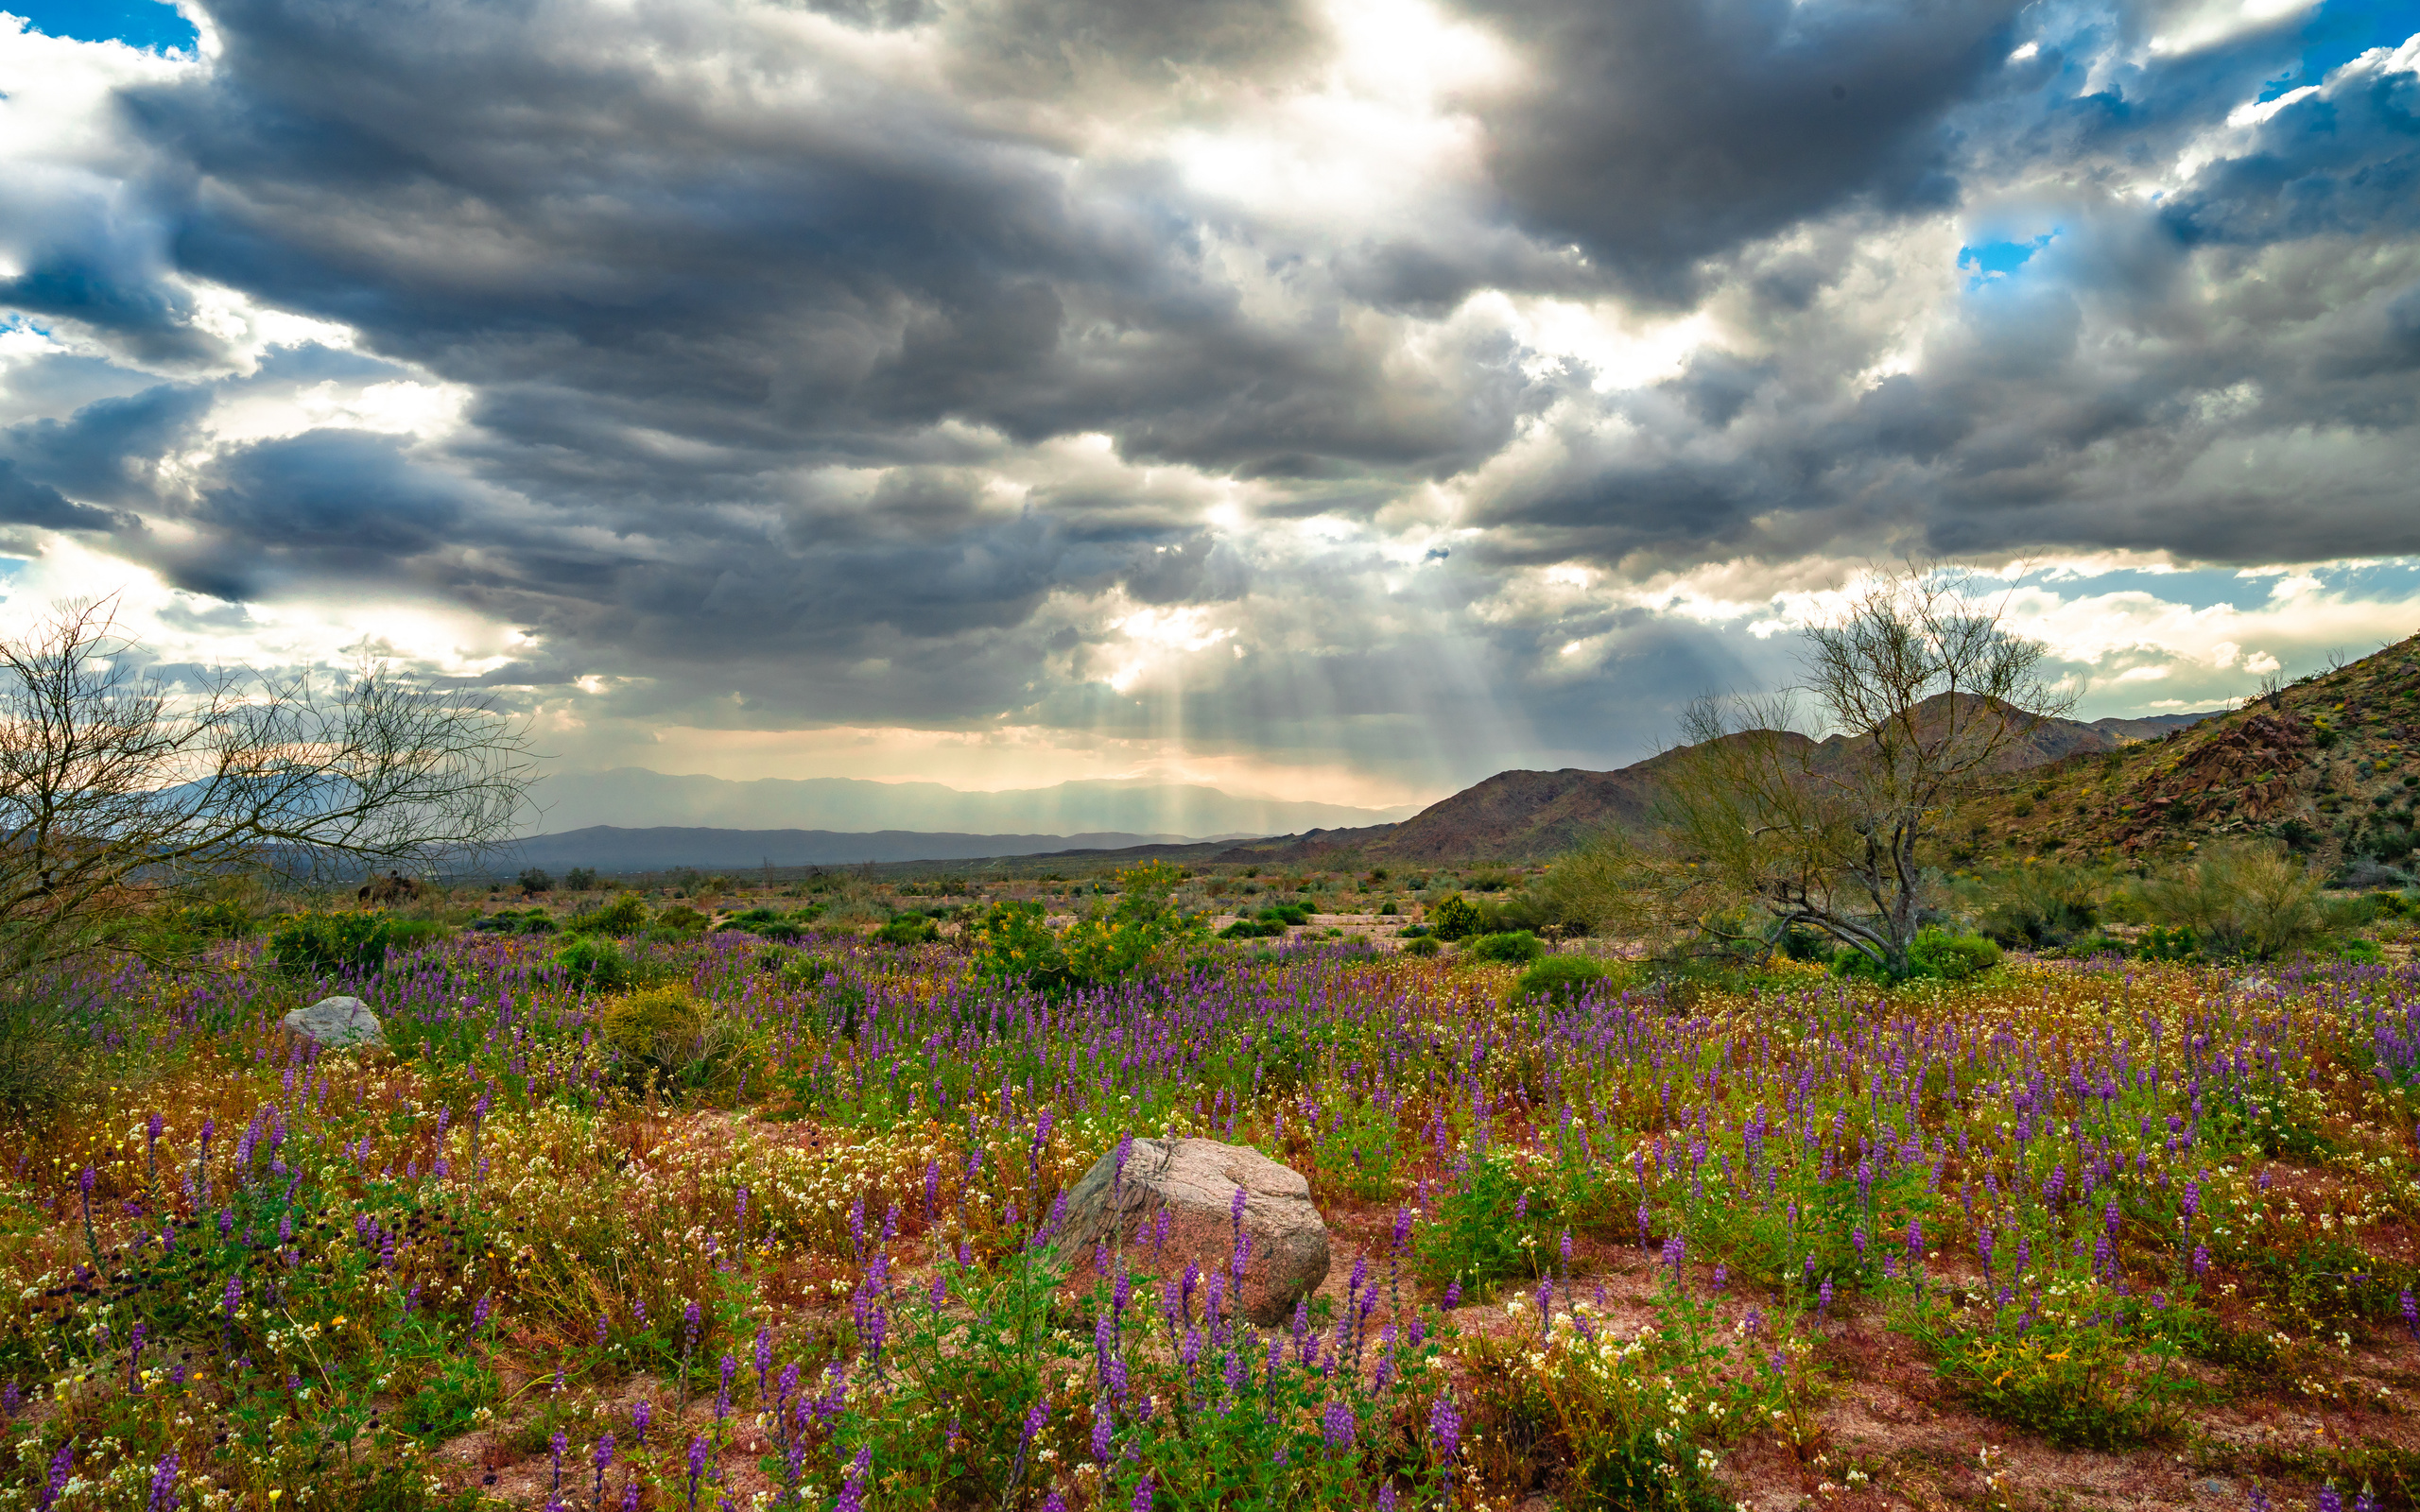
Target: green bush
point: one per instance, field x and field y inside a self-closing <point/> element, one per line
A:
<point x="43" y="1043"/>
<point x="908" y="928"/>
<point x="625" y="914"/>
<point x="680" y="920"/>
<point x="670" y="1036"/>
<point x="327" y="944"/>
<point x="1477" y="1231"/>
<point x="1252" y="929"/>
<point x="2241" y="900"/>
<point x="1453" y="917"/>
<point x="2160" y="943"/>
<point x="595" y="963"/>
<point x="1951" y="957"/>
<point x="2037" y="904"/>
<point x="1513" y="948"/>
<point x="1014" y="942"/>
<point x="506" y="921"/>
<point x="1421" y="945"/>
<point x="1561" y="978"/>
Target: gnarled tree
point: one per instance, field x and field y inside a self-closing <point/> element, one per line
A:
<point x="117" y="787"/>
<point x="1925" y="696"/>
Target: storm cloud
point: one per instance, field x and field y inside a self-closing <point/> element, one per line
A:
<point x="1385" y="383"/>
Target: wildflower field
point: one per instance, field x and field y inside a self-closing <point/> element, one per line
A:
<point x="2066" y="1234"/>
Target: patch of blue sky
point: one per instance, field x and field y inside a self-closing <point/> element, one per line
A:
<point x="2201" y="588"/>
<point x="1991" y="262"/>
<point x="2342" y="30"/>
<point x="148" y="23"/>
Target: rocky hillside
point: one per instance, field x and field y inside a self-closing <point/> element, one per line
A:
<point x="1521" y="816"/>
<point x="2329" y="765"/>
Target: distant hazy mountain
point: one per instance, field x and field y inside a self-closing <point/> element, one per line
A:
<point x="631" y="796"/>
<point x="611" y="848"/>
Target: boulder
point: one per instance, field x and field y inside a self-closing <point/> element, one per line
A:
<point x="336" y="1023"/>
<point x="1195" y="1182"/>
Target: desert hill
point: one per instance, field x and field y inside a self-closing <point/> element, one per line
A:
<point x="2328" y="763"/>
<point x="1520" y="816"/>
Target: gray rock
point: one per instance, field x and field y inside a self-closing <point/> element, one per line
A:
<point x="336" y="1023"/>
<point x="1195" y="1181"/>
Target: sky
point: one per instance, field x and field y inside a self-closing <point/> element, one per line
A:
<point x="1337" y="400"/>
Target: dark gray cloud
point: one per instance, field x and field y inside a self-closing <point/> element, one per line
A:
<point x="782" y="336"/>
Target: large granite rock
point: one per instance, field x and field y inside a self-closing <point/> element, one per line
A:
<point x="1195" y="1181"/>
<point x="336" y="1023"/>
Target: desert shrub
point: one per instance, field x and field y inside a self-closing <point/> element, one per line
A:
<point x="1951" y="957"/>
<point x="680" y="920"/>
<point x="580" y="879"/>
<point x="2160" y="943"/>
<point x="625" y="914"/>
<point x="1629" y="1419"/>
<point x="2241" y="900"/>
<point x="1421" y="945"/>
<point x="215" y="920"/>
<point x="2095" y="1369"/>
<point x="595" y="963"/>
<point x="507" y="922"/>
<point x="908" y="928"/>
<point x="670" y="1036"/>
<point x="327" y="944"/>
<point x="1559" y="978"/>
<point x="1285" y="914"/>
<point x="1484" y="1229"/>
<point x="1453" y="917"/>
<point x="1513" y="948"/>
<point x="44" y="1039"/>
<point x="1014" y="942"/>
<point x="2040" y="903"/>
<point x="534" y="880"/>
<point x="1252" y="929"/>
<point x="771" y="923"/>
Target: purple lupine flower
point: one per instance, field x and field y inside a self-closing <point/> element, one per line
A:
<point x="61" y="1466"/>
<point x="2410" y="1314"/>
<point x="1101" y="1427"/>
<point x="1142" y="1502"/>
<point x="1386" y="1496"/>
<point x="642" y="1413"/>
<point x="604" y="1462"/>
<point x="853" y="1488"/>
<point x="1823" y="1297"/>
<point x="697" y="1469"/>
<point x="722" y="1388"/>
<point x="1452" y="1293"/>
<point x="163" y="1485"/>
<point x="2364" y="1501"/>
<point x="1336" y="1425"/>
<point x="1445" y="1426"/>
<point x="2329" y="1500"/>
<point x="557" y="1443"/>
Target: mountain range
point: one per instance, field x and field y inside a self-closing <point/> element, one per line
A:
<point x="615" y="851"/>
<point x="1069" y="813"/>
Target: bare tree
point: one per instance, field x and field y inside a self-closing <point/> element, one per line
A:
<point x="116" y="788"/>
<point x="1928" y="693"/>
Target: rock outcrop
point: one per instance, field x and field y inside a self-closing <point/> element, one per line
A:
<point x="336" y="1023"/>
<point x="1196" y="1183"/>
